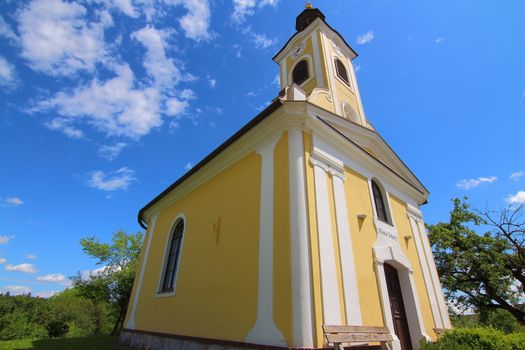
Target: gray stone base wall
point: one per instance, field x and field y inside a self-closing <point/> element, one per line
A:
<point x="145" y="341"/>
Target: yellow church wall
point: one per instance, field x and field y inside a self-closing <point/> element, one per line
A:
<point x="335" y="240"/>
<point x="314" y="245"/>
<point x="363" y="238"/>
<point x="218" y="263"/>
<point x="282" y="268"/>
<point x="400" y="215"/>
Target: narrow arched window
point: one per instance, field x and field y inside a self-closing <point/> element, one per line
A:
<point x="172" y="258"/>
<point x="379" y="202"/>
<point x="341" y="71"/>
<point x="300" y="72"/>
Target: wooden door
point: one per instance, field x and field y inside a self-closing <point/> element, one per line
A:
<point x="398" y="307"/>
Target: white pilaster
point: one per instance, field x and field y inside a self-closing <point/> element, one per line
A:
<point x="265" y="331"/>
<point x="351" y="292"/>
<point x="317" y="60"/>
<point x="301" y="262"/>
<point x="435" y="277"/>
<point x="331" y="74"/>
<point x="436" y="313"/>
<point x="131" y="320"/>
<point x="329" y="284"/>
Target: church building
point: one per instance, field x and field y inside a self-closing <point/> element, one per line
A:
<point x="304" y="217"/>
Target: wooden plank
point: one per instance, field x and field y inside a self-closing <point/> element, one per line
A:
<point x="354" y="329"/>
<point x="358" y="337"/>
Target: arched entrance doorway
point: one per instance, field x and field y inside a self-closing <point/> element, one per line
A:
<point x="397" y="307"/>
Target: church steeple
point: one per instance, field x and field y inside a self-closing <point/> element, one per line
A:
<point x="318" y="61"/>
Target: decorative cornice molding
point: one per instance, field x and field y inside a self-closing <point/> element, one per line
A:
<point x="328" y="166"/>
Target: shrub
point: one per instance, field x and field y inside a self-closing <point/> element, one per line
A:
<point x="57" y="328"/>
<point x="498" y="319"/>
<point x="477" y="339"/>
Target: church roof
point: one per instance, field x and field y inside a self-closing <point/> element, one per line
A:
<point x="411" y="179"/>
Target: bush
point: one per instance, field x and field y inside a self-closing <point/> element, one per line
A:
<point x="57" y="328"/>
<point x="477" y="339"/>
<point x="498" y="319"/>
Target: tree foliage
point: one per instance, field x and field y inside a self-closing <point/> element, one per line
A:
<point x="114" y="280"/>
<point x="484" y="271"/>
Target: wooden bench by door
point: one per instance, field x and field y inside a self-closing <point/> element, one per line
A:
<point x="339" y="335"/>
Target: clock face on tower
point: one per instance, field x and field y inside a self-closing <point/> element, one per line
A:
<point x="298" y="50"/>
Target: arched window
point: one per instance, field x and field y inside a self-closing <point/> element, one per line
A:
<point x="300" y="72"/>
<point x="379" y="202"/>
<point x="172" y="258"/>
<point x="341" y="71"/>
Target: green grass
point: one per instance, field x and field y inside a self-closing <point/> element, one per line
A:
<point x="102" y="342"/>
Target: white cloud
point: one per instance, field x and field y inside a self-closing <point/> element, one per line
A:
<point x="111" y="152"/>
<point x="516" y="175"/>
<point x="27" y="268"/>
<point x="439" y="40"/>
<point x="471" y="183"/>
<point x="6" y="31"/>
<point x="52" y="278"/>
<point x="120" y="179"/>
<point x="115" y="106"/>
<point x="3" y="261"/>
<point x="196" y="22"/>
<point x="58" y="39"/>
<point x="188" y="166"/>
<point x="5" y="239"/>
<point x="31" y="256"/>
<point x="365" y="38"/>
<point x="161" y="68"/>
<point x="176" y="107"/>
<point x="15" y="290"/>
<point x="64" y="125"/>
<point x="261" y="41"/>
<point x="212" y="82"/>
<point x="7" y="73"/>
<point x="517" y="198"/>
<point x="244" y="8"/>
<point x="14" y="201"/>
<point x="357" y="68"/>
<point x="126" y="6"/>
<point x="277" y="80"/>
<point x="46" y="294"/>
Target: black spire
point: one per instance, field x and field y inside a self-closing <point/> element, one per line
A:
<point x="306" y="17"/>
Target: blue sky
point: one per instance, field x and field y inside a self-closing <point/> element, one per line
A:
<point x="103" y="104"/>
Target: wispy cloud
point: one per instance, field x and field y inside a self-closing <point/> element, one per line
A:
<point x="52" y="278"/>
<point x="260" y="40"/>
<point x="212" y="82"/>
<point x="31" y="256"/>
<point x="7" y="74"/>
<point x="119" y="179"/>
<point x="14" y="201"/>
<point x="27" y="268"/>
<point x="3" y="261"/>
<point x="471" y="183"/>
<point x="15" y="290"/>
<point x="245" y="8"/>
<point x="6" y="31"/>
<point x="110" y="152"/>
<point x="517" y="198"/>
<point x="188" y="166"/>
<point x="516" y="175"/>
<point x="64" y="125"/>
<point x="439" y="40"/>
<point x="5" y="239"/>
<point x="365" y="38"/>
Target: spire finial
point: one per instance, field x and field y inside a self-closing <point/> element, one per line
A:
<point x="308" y="5"/>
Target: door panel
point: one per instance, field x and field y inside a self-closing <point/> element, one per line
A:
<point x="398" y="307"/>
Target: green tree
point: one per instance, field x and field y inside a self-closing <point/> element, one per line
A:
<point x="484" y="271"/>
<point x="114" y="281"/>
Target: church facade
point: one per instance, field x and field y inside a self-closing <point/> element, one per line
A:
<point x="303" y="218"/>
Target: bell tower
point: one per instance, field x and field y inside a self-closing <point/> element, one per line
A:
<point x="319" y="62"/>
